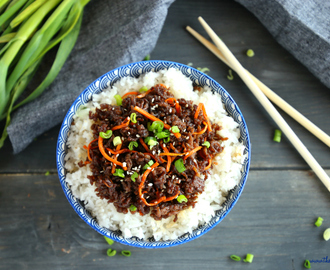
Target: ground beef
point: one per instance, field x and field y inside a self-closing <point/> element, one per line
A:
<point x="160" y="184"/>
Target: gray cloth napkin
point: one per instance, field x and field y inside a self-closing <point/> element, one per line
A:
<point x="302" y="27"/>
<point x="113" y="33"/>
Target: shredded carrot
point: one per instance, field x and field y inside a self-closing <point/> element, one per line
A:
<point x="171" y="154"/>
<point x="130" y="93"/>
<point x="145" y="93"/>
<point x="106" y="156"/>
<point x="88" y="149"/>
<point x="208" y="166"/>
<point x="177" y="107"/>
<point x="215" y="163"/>
<point x="199" y="107"/>
<point x="125" y="123"/>
<point x="154" y="118"/>
<point x="188" y="154"/>
<point x="171" y="100"/>
<point x="202" y="131"/>
<point x="144" y="177"/>
<point x="106" y="184"/>
<point x="172" y="197"/>
<point x="85" y="147"/>
<point x="207" y="119"/>
<point x="121" y="151"/>
<point x="174" y="101"/>
<point x="169" y="159"/>
<point x="148" y="150"/>
<point x="87" y="162"/>
<point x="196" y="171"/>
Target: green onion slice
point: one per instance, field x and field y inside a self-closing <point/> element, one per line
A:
<point x="149" y="164"/>
<point x="179" y="165"/>
<point x="133" y="144"/>
<point x="250" y="53"/>
<point x="163" y="134"/>
<point x="151" y="141"/>
<point x="106" y="135"/>
<point x="207" y="144"/>
<point x="147" y="57"/>
<point x="277" y="135"/>
<point x="235" y="258"/>
<point x="318" y="222"/>
<point x="166" y="140"/>
<point x="47" y="173"/>
<point x="134" y="176"/>
<point x="249" y="258"/>
<point x="175" y="129"/>
<point x="109" y="241"/>
<point x="116" y="141"/>
<point x="230" y="76"/>
<point x="126" y="253"/>
<point x="307" y="264"/>
<point x="204" y="70"/>
<point x="119" y="100"/>
<point x="156" y="126"/>
<point x="133" y="118"/>
<point x="143" y="89"/>
<point x="132" y="208"/>
<point x="182" y="198"/>
<point x="326" y="234"/>
<point x="120" y="173"/>
<point x="111" y="252"/>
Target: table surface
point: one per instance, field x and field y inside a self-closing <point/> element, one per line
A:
<point x="273" y="219"/>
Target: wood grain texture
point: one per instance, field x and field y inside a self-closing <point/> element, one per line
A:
<point x="273" y="219"/>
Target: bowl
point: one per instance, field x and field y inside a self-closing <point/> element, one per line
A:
<point x="134" y="70"/>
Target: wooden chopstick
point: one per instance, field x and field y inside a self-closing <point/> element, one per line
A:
<point x="281" y="103"/>
<point x="268" y="106"/>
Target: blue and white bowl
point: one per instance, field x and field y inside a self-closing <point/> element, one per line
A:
<point x="135" y="70"/>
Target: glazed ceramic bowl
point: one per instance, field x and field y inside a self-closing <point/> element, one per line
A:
<point x="135" y="70"/>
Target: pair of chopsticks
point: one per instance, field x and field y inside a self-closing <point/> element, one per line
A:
<point x="260" y="90"/>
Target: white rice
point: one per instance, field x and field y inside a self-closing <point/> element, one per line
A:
<point x="224" y="176"/>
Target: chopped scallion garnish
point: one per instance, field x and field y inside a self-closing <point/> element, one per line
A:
<point x="111" y="252"/>
<point x="47" y="173"/>
<point x="119" y="100"/>
<point x="106" y="135"/>
<point x="182" y="198"/>
<point x="149" y="164"/>
<point x="116" y="141"/>
<point x="132" y="208"/>
<point x="230" y="76"/>
<point x="151" y="141"/>
<point x="134" y="176"/>
<point x="166" y="140"/>
<point x="147" y="57"/>
<point x="126" y="253"/>
<point x="163" y="134"/>
<point x="207" y="144"/>
<point x="205" y="69"/>
<point x="179" y="165"/>
<point x="156" y="126"/>
<point x="143" y="89"/>
<point x="277" y="135"/>
<point x="235" y="258"/>
<point x="120" y="173"/>
<point x="133" y="118"/>
<point x="250" y="53"/>
<point x="318" y="222"/>
<point x="109" y="241"/>
<point x="326" y="234"/>
<point x="175" y="129"/>
<point x="307" y="264"/>
<point x="249" y="258"/>
<point x="132" y="145"/>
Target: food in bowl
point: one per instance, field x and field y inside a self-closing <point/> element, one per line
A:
<point x="153" y="155"/>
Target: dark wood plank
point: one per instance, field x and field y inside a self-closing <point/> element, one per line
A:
<point x="273" y="219"/>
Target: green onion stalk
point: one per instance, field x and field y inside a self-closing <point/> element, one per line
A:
<point x="28" y="30"/>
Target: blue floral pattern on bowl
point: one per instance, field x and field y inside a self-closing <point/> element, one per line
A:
<point x="135" y="70"/>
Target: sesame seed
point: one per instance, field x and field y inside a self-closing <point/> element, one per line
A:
<point x="101" y="171"/>
<point x="182" y="120"/>
<point x="137" y="136"/>
<point x="150" y="184"/>
<point x="158" y="151"/>
<point x="187" y="137"/>
<point x="124" y="164"/>
<point x="129" y="133"/>
<point x="153" y="152"/>
<point x="173" y="143"/>
<point x="152" y="99"/>
<point x="147" y="197"/>
<point x="186" y="105"/>
<point x="170" y="111"/>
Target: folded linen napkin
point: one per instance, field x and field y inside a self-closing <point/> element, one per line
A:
<point x="301" y="27"/>
<point x="113" y="33"/>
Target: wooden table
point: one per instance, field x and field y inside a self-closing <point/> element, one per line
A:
<point x="273" y="219"/>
